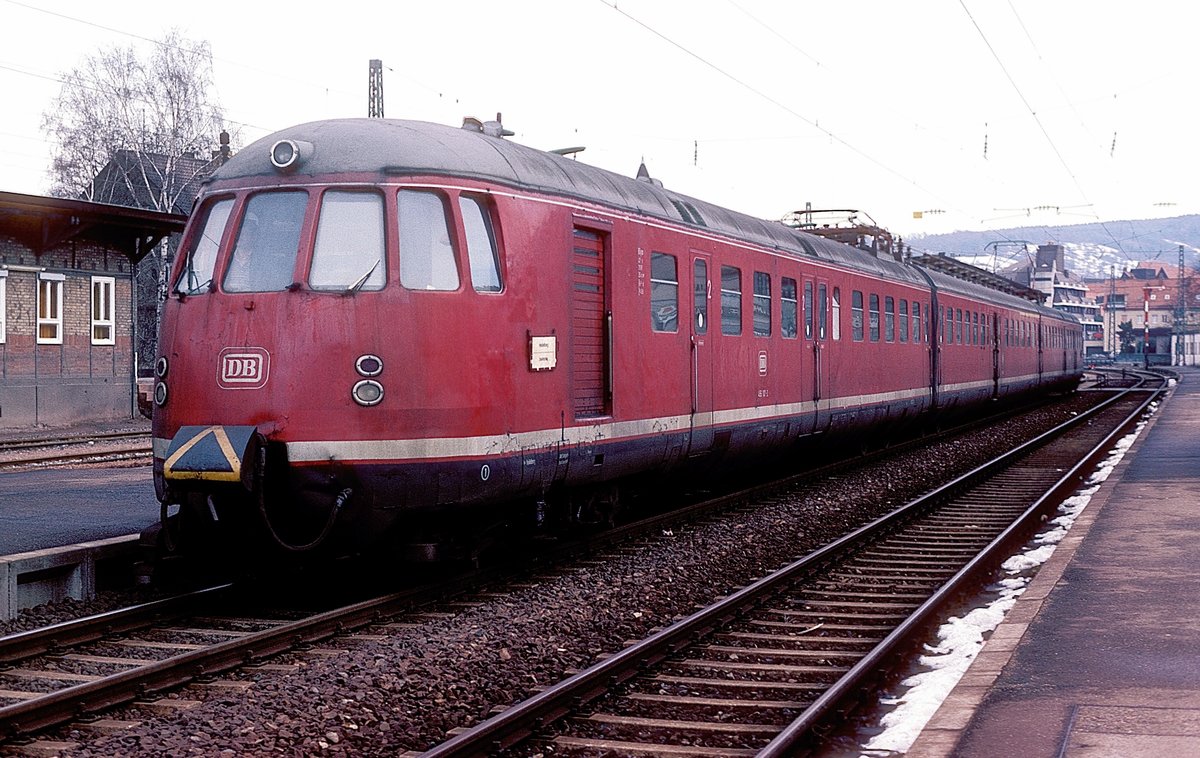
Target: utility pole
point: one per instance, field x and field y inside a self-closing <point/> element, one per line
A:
<point x="1180" y="311"/>
<point x="1112" y="311"/>
<point x="1146" y="325"/>
<point x="375" y="90"/>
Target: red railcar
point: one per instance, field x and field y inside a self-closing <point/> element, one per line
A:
<point x="372" y="318"/>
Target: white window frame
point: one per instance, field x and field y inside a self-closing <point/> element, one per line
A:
<point x="47" y="283"/>
<point x="3" y="306"/>
<point x="108" y="289"/>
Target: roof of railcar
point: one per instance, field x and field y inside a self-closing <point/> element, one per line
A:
<point x="390" y="147"/>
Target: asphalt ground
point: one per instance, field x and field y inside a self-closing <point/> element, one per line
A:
<point x="54" y="507"/>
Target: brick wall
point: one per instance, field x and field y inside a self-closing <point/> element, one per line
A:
<point x="94" y="381"/>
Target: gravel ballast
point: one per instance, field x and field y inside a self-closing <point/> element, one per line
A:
<point x="407" y="691"/>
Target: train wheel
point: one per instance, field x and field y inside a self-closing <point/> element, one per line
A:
<point x="596" y="506"/>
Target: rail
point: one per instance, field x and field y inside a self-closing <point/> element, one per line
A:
<point x="529" y="717"/>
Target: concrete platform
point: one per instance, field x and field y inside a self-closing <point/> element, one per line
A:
<point x="1101" y="654"/>
<point x="53" y="507"/>
<point x="60" y="528"/>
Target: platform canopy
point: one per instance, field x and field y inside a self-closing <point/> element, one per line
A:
<point x="43" y="223"/>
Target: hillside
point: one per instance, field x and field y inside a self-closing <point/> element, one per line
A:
<point x="1091" y="249"/>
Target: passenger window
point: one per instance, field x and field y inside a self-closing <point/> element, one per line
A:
<point x="916" y="322"/>
<point x="808" y="311"/>
<point x="348" y="254"/>
<point x="700" y="295"/>
<point x="889" y="319"/>
<point x="426" y="254"/>
<point x="731" y="300"/>
<point x="958" y="323"/>
<point x="837" y="313"/>
<point x="197" y="274"/>
<point x="762" y="304"/>
<point x="264" y="255"/>
<point x="481" y="245"/>
<point x="975" y="329"/>
<point x="874" y="318"/>
<point x="787" y="321"/>
<point x="902" y="329"/>
<point x="664" y="293"/>
<point x="822" y="310"/>
<point x="856" y="315"/>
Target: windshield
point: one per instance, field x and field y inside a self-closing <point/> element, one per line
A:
<point x="197" y="272"/>
<point x="264" y="255"/>
<point x="349" y="250"/>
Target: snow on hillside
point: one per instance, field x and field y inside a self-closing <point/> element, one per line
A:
<point x="1092" y="251"/>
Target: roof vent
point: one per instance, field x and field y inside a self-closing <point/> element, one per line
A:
<point x="490" y="128"/>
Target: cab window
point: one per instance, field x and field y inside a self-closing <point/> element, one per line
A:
<point x="426" y="253"/>
<point x="264" y="254"/>
<point x="481" y="245"/>
<point x="348" y="254"/>
<point x="197" y="274"/>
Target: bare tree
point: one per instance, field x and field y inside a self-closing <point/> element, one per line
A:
<point x="158" y="112"/>
<point x="136" y="129"/>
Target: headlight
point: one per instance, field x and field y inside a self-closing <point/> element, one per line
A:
<point x="160" y="394"/>
<point x="367" y="392"/>
<point x="161" y="367"/>
<point x="368" y="365"/>
<point x="287" y="155"/>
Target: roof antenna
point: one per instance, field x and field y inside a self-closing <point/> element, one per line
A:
<point x="643" y="175"/>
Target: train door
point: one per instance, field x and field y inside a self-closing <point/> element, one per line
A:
<point x="995" y="355"/>
<point x="702" y="357"/>
<point x="820" y="341"/>
<point x="1037" y="335"/>
<point x="591" y="325"/>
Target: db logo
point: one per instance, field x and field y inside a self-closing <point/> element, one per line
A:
<point x="243" y="368"/>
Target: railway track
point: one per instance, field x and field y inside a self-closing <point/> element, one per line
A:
<point x="101" y="673"/>
<point x="137" y="653"/>
<point x="757" y="672"/>
<point x="58" y="451"/>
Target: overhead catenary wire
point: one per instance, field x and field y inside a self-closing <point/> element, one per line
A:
<point x="777" y="103"/>
<point x="1041" y="126"/>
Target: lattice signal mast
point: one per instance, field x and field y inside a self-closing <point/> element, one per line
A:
<point x="375" y="90"/>
<point x="1181" y="301"/>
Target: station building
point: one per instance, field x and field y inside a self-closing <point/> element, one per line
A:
<point x="1064" y="291"/>
<point x="1160" y="306"/>
<point x="67" y="305"/>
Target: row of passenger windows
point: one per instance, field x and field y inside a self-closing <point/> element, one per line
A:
<point x="896" y="320"/>
<point x="349" y="250"/>
<point x="813" y="307"/>
<point x="886" y="318"/>
<point x="664" y="301"/>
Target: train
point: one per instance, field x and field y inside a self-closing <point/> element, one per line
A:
<point x="391" y="330"/>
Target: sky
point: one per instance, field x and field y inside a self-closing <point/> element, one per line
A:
<point x="978" y="114"/>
